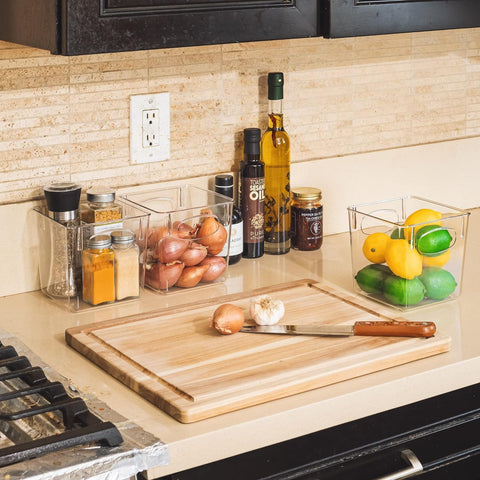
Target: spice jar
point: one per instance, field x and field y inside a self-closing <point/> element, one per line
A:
<point x="307" y="218"/>
<point x="98" y="271"/>
<point x="100" y="206"/>
<point x="126" y="260"/>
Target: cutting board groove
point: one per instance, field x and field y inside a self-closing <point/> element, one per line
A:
<point x="174" y="359"/>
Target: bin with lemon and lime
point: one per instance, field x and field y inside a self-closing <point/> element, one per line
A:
<point x="407" y="252"/>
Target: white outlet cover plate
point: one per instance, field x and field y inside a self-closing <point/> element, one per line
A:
<point x="161" y="151"/>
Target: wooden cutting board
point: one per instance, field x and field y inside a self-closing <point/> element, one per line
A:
<point x="174" y="359"/>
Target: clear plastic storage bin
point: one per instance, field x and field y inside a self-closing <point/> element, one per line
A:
<point x="407" y="252"/>
<point x="61" y="247"/>
<point x="187" y="240"/>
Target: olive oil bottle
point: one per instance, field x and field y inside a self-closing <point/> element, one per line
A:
<point x="275" y="153"/>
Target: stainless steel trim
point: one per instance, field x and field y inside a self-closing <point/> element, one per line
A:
<point x="415" y="467"/>
<point x="63" y="217"/>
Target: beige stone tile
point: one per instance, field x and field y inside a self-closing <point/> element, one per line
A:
<point x="68" y="117"/>
<point x="108" y="57"/>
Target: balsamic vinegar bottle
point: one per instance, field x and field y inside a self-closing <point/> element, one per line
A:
<point x="253" y="195"/>
<point x="224" y="186"/>
<point x="275" y="147"/>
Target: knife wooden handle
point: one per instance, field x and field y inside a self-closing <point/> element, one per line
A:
<point x="395" y="329"/>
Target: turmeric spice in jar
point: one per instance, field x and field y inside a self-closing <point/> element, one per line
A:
<point x="98" y="271"/>
<point x="127" y="267"/>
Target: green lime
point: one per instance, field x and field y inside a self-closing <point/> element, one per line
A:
<point x="397" y="233"/>
<point x="432" y="240"/>
<point x="401" y="291"/>
<point x="439" y="283"/>
<point x="370" y="278"/>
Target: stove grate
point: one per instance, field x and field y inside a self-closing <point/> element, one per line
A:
<point x="27" y="397"/>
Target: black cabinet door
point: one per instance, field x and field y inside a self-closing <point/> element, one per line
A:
<point x="74" y="27"/>
<point x="96" y="26"/>
<point x="348" y="18"/>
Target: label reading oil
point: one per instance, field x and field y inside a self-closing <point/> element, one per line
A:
<point x="253" y="202"/>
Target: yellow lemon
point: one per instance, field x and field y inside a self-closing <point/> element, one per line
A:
<point x="421" y="216"/>
<point x="438" y="261"/>
<point x="374" y="247"/>
<point x="403" y="260"/>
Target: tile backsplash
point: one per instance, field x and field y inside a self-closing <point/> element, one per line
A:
<point x="67" y="118"/>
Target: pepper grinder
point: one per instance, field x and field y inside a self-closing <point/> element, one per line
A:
<point x="65" y="266"/>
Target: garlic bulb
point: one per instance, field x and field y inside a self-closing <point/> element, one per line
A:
<point x="265" y="310"/>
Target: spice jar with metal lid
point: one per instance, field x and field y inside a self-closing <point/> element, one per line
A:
<point x="100" y="206"/>
<point x="127" y="267"/>
<point x="98" y="271"/>
<point x="307" y="218"/>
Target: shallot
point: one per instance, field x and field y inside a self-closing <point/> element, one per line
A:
<point x="227" y="319"/>
<point x="182" y="230"/>
<point x="216" y="266"/>
<point x="191" y="276"/>
<point x="212" y="234"/>
<point x="162" y="276"/>
<point x="155" y="234"/>
<point x="193" y="255"/>
<point x="169" y="249"/>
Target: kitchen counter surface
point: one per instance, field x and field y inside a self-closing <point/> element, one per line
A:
<point x="40" y="324"/>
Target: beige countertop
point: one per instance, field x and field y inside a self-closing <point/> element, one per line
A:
<point x="40" y="324"/>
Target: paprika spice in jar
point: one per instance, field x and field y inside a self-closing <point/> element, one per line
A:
<point x="307" y="219"/>
<point x="98" y="271"/>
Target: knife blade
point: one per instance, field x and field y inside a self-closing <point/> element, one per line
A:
<point x="363" y="328"/>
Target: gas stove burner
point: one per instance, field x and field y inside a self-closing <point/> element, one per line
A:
<point x="37" y="416"/>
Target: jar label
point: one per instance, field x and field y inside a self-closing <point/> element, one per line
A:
<point x="235" y="239"/>
<point x="307" y="228"/>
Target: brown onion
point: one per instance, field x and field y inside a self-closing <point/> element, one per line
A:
<point x="227" y="319"/>
<point x="191" y="276"/>
<point x="169" y="249"/>
<point x="213" y="235"/>
<point x="193" y="255"/>
<point x="216" y="266"/>
<point x="163" y="276"/>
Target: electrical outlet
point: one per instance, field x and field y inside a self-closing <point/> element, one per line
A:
<point x="149" y="128"/>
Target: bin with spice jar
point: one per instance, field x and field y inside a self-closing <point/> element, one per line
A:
<point x="55" y="238"/>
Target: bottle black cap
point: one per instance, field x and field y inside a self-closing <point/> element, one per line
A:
<point x="62" y="197"/>
<point x="275" y="86"/>
<point x="252" y="135"/>
<point x="251" y="140"/>
<point x="224" y="184"/>
<point x="224" y="180"/>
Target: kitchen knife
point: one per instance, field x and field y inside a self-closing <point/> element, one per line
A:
<point x="365" y="328"/>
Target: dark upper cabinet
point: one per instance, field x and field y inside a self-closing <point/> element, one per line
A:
<point x="349" y="18"/>
<point x="73" y="27"/>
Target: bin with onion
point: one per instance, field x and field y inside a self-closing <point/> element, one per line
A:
<point x="187" y="239"/>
